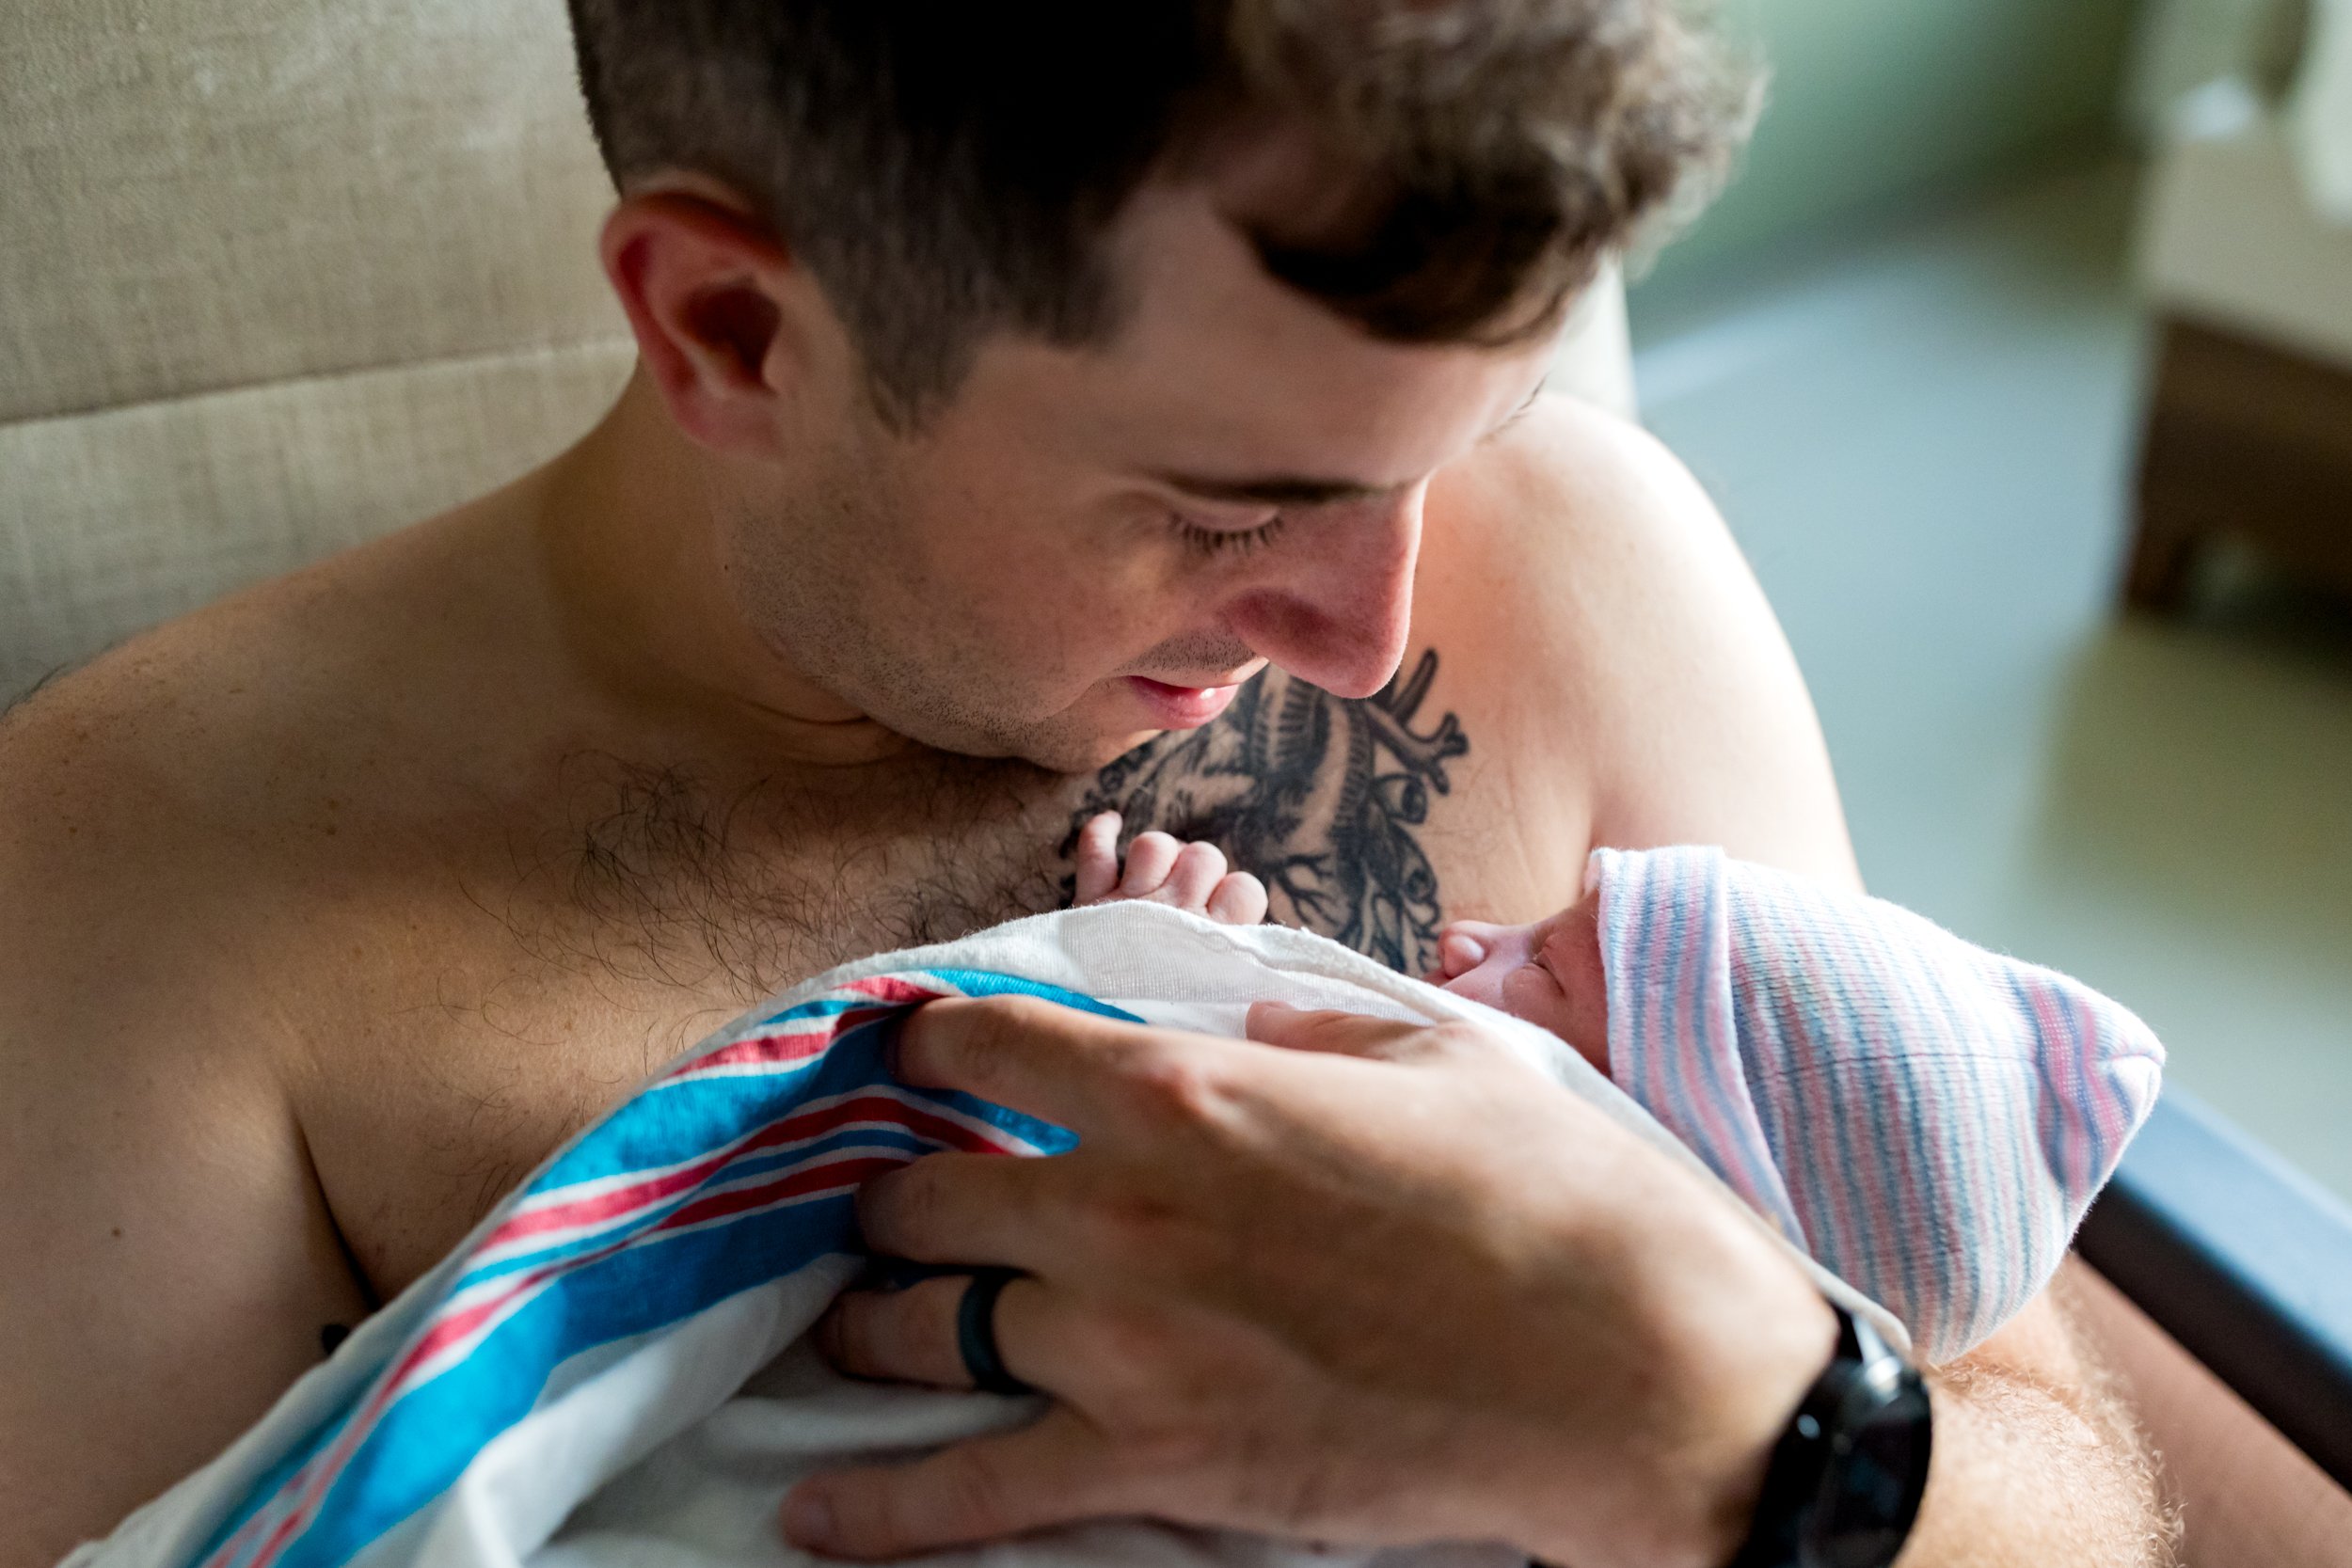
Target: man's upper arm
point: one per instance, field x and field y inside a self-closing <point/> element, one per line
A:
<point x="167" y="1265"/>
<point x="1666" y="681"/>
<point x="2039" y="1458"/>
<point x="1607" y="589"/>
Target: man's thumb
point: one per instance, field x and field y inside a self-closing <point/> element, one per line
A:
<point x="1335" y="1033"/>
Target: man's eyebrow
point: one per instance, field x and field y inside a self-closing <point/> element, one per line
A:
<point x="1291" y="490"/>
<point x="1278" y="490"/>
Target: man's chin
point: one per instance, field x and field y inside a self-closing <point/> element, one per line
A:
<point x="1104" y="725"/>
<point x="1114" y="722"/>
<point x="1065" y="744"/>
<point x="1081" y="753"/>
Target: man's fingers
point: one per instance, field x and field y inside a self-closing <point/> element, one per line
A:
<point x="1054" y="1471"/>
<point x="1198" y="870"/>
<point x="1048" y="1060"/>
<point x="1150" y="859"/>
<point x="1341" y="1034"/>
<point x="1240" y="899"/>
<point x="963" y="1208"/>
<point x="910" y="1336"/>
<point x="1098" y="858"/>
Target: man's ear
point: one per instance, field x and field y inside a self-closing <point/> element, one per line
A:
<point x="718" y="309"/>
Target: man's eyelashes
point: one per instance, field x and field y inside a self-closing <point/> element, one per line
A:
<point x="1218" y="541"/>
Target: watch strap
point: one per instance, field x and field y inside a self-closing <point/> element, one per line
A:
<point x="1843" y="1484"/>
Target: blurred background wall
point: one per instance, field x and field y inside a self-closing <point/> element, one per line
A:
<point x="2012" y="304"/>
<point x="1878" y="107"/>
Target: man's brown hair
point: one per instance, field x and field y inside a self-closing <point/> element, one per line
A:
<point x="948" y="167"/>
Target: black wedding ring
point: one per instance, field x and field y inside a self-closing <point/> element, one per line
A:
<point x="976" y="1333"/>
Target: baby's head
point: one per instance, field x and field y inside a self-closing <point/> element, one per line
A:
<point x="1548" y="973"/>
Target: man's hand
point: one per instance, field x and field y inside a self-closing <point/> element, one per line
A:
<point x="1388" y="1285"/>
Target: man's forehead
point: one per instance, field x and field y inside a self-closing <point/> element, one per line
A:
<point x="1245" y="389"/>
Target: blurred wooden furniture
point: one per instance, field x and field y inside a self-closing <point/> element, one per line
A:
<point x="2243" y="440"/>
<point x="2249" y="425"/>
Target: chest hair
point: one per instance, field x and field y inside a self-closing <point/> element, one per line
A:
<point x="659" y="879"/>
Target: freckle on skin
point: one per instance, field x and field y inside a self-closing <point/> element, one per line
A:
<point x="118" y="1232"/>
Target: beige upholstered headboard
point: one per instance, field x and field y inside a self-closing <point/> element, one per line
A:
<point x="276" y="275"/>
<point x="280" y="275"/>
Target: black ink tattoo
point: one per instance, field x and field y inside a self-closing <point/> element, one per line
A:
<point x="1317" y="795"/>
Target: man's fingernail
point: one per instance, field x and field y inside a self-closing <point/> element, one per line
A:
<point x="808" y="1519"/>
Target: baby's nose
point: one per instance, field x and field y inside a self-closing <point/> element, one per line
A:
<point x="1461" y="950"/>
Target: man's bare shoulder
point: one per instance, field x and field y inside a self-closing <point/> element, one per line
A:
<point x="282" y="676"/>
<point x="245" y="744"/>
<point x="136" y="781"/>
<point x="146" y="806"/>
<point x="1590" y="529"/>
<point x="1578" y="559"/>
<point x="161" y="807"/>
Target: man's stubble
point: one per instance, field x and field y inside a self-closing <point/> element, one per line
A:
<point x="837" y="584"/>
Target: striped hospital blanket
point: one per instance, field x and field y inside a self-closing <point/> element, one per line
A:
<point x="609" y="1370"/>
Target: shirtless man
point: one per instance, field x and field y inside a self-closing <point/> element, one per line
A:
<point x="1024" y="427"/>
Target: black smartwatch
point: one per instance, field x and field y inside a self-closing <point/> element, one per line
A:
<point x="1843" y="1483"/>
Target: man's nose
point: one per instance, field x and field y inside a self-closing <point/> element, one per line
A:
<point x="1335" y="607"/>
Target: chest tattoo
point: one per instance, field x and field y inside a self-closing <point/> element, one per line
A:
<point x="652" y="880"/>
<point x="1322" y="797"/>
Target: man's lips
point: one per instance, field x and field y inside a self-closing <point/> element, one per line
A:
<point x="1181" y="707"/>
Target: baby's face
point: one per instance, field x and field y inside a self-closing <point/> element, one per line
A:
<point x="1548" y="973"/>
<point x="1507" y="967"/>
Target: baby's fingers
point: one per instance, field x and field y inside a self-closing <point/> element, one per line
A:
<point x="1240" y="899"/>
<point x="1150" y="859"/>
<point x="1198" y="870"/>
<point x="1098" y="858"/>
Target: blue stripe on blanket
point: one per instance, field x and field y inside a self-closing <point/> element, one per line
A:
<point x="694" y="1190"/>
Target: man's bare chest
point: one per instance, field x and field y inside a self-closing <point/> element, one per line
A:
<point x="642" y="907"/>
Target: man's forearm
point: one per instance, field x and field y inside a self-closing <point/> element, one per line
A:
<point x="2029" y="1472"/>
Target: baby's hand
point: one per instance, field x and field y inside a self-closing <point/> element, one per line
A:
<point x="1162" y="871"/>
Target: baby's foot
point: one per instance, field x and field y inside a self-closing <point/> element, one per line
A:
<point x="1164" y="870"/>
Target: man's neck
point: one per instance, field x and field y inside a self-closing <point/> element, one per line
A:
<point x="630" y="524"/>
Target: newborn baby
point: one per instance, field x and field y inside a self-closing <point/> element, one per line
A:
<point x="1927" y="1118"/>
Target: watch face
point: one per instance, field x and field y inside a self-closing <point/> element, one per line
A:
<point x="1865" y="1513"/>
